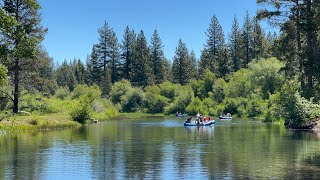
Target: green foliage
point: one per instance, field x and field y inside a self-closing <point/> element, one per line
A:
<point x="62" y="92"/>
<point x="82" y="110"/>
<point x="208" y="81"/>
<point x="231" y="106"/>
<point x="197" y="87"/>
<point x="35" y="103"/>
<point x="181" y="101"/>
<point x="103" y="109"/>
<point x="274" y="109"/>
<point x="182" y="67"/>
<point x="168" y="90"/>
<point x="154" y="101"/>
<point x="255" y="107"/>
<point x="132" y="101"/>
<point x="119" y="89"/>
<point x="65" y="76"/>
<point x="35" y="120"/>
<point x="239" y="85"/>
<point x="218" y="91"/>
<point x="197" y="106"/>
<point x="157" y="58"/>
<point x="3" y="75"/>
<point x="266" y="74"/>
<point x="142" y="70"/>
<point x="296" y="110"/>
<point x="212" y="55"/>
<point x="93" y="91"/>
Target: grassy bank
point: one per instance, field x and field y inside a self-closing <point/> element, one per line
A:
<point x="38" y="122"/>
<point x="56" y="121"/>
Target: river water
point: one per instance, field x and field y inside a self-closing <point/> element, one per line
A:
<point x="161" y="148"/>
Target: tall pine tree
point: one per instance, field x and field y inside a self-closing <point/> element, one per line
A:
<point x="234" y="45"/>
<point x="23" y="42"/>
<point x="114" y="55"/>
<point x="157" y="58"/>
<point x="127" y="53"/>
<point x="142" y="71"/>
<point x="181" y="67"/>
<point x="214" y="48"/>
<point x="247" y="40"/>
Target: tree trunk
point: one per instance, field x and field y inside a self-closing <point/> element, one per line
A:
<point x="310" y="36"/>
<point x="16" y="87"/>
<point x="298" y="39"/>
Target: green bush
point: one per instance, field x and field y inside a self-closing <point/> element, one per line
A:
<point x="34" y="103"/>
<point x="62" y="92"/>
<point x="266" y="74"/>
<point x="181" y="101"/>
<point x="154" y="102"/>
<point x="119" y="89"/>
<point x="132" y="101"/>
<point x="218" y="89"/>
<point x="93" y="92"/>
<point x="82" y="111"/>
<point x="168" y="90"/>
<point x="35" y="120"/>
<point x="197" y="106"/>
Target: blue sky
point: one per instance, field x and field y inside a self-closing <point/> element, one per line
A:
<point x="73" y="24"/>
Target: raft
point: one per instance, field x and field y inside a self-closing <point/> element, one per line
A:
<point x="193" y="123"/>
<point x="225" y="117"/>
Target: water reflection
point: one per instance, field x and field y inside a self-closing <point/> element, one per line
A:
<point x="199" y="131"/>
<point x="161" y="149"/>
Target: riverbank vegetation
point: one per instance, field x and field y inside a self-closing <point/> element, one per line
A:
<point x="256" y="73"/>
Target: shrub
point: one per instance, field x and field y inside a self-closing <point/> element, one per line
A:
<point x="34" y="103"/>
<point x="93" y="92"/>
<point x="35" y="120"/>
<point x="181" y="101"/>
<point x="82" y="111"/>
<point x="197" y="106"/>
<point x="62" y="92"/>
<point x="132" y="101"/>
<point x="154" y="102"/>
<point x="168" y="90"/>
<point x="119" y="89"/>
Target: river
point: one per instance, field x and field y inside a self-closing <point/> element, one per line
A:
<point x="161" y="148"/>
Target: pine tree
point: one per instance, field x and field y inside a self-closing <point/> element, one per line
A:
<point x="259" y="41"/>
<point x="213" y="50"/>
<point x="127" y="55"/>
<point x="157" y="58"/>
<point x="23" y="40"/>
<point x="235" y="45"/>
<point x="79" y="71"/>
<point x="224" y="64"/>
<point x="65" y="76"/>
<point x="94" y="68"/>
<point x="287" y="15"/>
<point x="181" y="67"/>
<point x="194" y="66"/>
<point x="114" y="55"/>
<point x="103" y="49"/>
<point x="247" y="39"/>
<point x="142" y="71"/>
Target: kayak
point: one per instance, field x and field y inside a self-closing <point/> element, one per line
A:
<point x="193" y="123"/>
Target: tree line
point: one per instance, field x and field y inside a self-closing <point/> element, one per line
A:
<point x="143" y="63"/>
